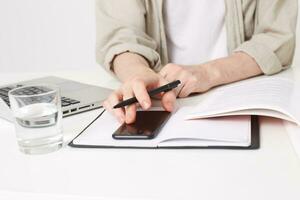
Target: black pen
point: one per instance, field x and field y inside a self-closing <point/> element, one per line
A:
<point x="164" y="88"/>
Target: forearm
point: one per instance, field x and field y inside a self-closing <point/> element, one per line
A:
<point x="238" y="66"/>
<point x="129" y="65"/>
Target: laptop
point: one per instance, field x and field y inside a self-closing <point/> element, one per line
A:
<point x="75" y="97"/>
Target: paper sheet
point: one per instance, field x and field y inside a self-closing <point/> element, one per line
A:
<point x="253" y="96"/>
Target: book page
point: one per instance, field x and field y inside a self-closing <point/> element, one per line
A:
<point x="235" y="129"/>
<point x="272" y="93"/>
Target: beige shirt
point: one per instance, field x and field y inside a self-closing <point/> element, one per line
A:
<point x="264" y="29"/>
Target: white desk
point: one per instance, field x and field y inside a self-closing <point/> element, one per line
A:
<point x="272" y="172"/>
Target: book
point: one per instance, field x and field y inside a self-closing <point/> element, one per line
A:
<point x="222" y="132"/>
<point x="274" y="96"/>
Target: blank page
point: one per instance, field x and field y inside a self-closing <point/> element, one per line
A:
<point x="218" y="128"/>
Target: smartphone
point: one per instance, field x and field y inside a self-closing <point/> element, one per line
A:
<point x="146" y="126"/>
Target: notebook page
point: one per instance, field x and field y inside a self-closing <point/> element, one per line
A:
<point x="270" y="93"/>
<point x="226" y="129"/>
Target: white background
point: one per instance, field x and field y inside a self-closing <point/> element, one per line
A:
<point x="51" y="35"/>
<point x="47" y="35"/>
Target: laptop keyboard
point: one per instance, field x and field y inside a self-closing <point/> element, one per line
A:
<point x="65" y="101"/>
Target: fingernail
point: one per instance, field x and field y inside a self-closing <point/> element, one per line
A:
<point x="146" y="105"/>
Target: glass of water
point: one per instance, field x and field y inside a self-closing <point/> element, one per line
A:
<point x="38" y="117"/>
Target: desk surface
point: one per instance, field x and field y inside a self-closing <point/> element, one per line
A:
<point x="272" y="172"/>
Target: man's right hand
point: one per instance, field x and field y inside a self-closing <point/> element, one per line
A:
<point x="137" y="79"/>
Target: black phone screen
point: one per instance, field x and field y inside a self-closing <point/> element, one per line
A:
<point x="146" y="126"/>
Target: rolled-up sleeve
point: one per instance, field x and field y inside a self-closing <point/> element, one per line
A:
<point x="273" y="43"/>
<point x="121" y="28"/>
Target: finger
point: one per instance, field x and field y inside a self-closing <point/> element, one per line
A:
<point x="130" y="110"/>
<point x="183" y="79"/>
<point x="179" y="88"/>
<point x="189" y="87"/>
<point x="168" y="98"/>
<point x="113" y="100"/>
<point x="168" y="101"/>
<point x="169" y="78"/>
<point x="140" y="92"/>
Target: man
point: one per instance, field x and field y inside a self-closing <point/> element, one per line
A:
<point x="148" y="43"/>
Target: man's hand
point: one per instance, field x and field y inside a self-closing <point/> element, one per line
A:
<point x="194" y="79"/>
<point x="201" y="78"/>
<point x="137" y="78"/>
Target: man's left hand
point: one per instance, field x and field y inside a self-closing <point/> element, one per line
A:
<point x="194" y="79"/>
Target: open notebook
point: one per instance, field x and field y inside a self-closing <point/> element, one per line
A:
<point x="229" y="132"/>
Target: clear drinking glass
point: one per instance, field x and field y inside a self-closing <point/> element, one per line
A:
<point x="38" y="118"/>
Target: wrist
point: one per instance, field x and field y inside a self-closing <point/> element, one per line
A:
<point x="228" y="69"/>
<point x="129" y="65"/>
<point x="210" y="73"/>
<point x="138" y="73"/>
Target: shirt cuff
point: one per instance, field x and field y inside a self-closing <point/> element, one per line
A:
<point x="149" y="54"/>
<point x="264" y="57"/>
